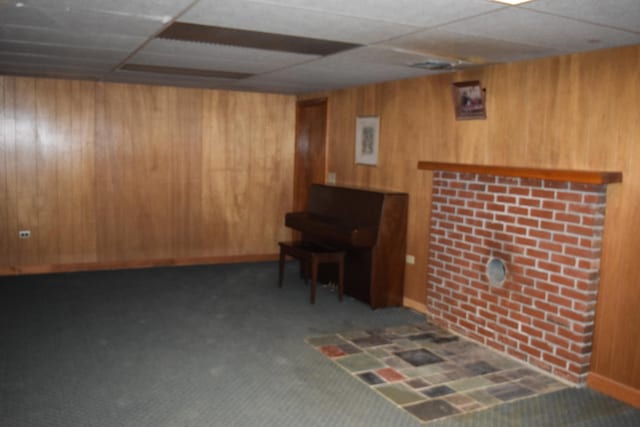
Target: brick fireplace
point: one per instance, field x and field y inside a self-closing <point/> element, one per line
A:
<point x="514" y="260"/>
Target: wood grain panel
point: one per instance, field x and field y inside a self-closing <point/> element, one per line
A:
<point x="6" y="135"/>
<point x="577" y="112"/>
<point x="130" y="175"/>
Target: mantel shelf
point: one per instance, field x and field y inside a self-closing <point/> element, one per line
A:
<point x="585" y="177"/>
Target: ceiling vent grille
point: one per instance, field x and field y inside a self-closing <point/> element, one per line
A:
<point x="252" y="39"/>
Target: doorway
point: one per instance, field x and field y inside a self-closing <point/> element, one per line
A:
<point x="310" y="163"/>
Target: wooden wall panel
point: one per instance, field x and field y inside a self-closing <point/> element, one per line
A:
<point x="569" y="112"/>
<point x="6" y="135"/>
<point x="116" y="174"/>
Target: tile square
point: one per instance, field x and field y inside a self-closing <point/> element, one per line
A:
<point x="418" y="383"/>
<point x="360" y="362"/>
<point x="482" y="397"/>
<point x="349" y="348"/>
<point x="380" y="352"/>
<point x="437" y="379"/>
<point x="480" y="368"/>
<point x="470" y="383"/>
<point x="440" y="340"/>
<point x="509" y="391"/>
<point x="332" y="351"/>
<point x="390" y="374"/>
<point x="371" y="341"/>
<point x="419" y="357"/>
<point x="441" y="390"/>
<point x="460" y="400"/>
<point x="458" y="374"/>
<point x="498" y="378"/>
<point x="399" y="393"/>
<point x="370" y="378"/>
<point x="432" y="410"/>
<point x="426" y="336"/>
<point x="396" y="362"/>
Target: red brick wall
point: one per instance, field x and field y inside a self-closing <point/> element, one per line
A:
<point x="548" y="234"/>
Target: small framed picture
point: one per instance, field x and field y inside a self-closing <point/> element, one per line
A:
<point x="367" y="133"/>
<point x="468" y="99"/>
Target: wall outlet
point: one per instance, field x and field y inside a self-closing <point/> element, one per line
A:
<point x="331" y="178"/>
<point x="24" y="234"/>
<point x="410" y="259"/>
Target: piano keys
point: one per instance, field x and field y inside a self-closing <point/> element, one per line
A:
<point x="371" y="227"/>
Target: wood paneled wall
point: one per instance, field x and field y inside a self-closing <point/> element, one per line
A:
<point x="569" y="112"/>
<point x="114" y="174"/>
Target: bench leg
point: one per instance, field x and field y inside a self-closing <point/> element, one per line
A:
<point x="314" y="278"/>
<point x="281" y="268"/>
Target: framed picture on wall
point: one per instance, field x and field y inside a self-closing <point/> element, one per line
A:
<point x="468" y="99"/>
<point x="367" y="134"/>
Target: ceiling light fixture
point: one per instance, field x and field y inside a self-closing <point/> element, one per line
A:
<point x="512" y="2"/>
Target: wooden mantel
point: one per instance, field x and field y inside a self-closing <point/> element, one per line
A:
<point x="585" y="177"/>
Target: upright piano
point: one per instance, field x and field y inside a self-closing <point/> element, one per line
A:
<point x="371" y="227"/>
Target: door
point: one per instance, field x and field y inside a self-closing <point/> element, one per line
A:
<point x="310" y="152"/>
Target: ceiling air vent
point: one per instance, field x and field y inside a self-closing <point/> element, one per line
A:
<point x="252" y="39"/>
<point x="436" y="65"/>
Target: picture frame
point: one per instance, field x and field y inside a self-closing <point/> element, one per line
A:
<point x="367" y="136"/>
<point x="469" y="100"/>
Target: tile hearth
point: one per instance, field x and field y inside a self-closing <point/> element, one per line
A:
<point x="431" y="373"/>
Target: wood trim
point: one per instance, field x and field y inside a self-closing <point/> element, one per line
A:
<point x="414" y="305"/>
<point x="581" y="176"/>
<point x="614" y="389"/>
<point x="167" y="262"/>
<point x="312" y="101"/>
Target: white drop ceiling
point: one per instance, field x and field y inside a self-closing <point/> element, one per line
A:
<point x="94" y="39"/>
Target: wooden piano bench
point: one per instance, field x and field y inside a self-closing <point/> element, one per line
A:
<point x="310" y="256"/>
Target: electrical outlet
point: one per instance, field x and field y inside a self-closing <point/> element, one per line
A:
<point x="24" y="234"/>
<point x="331" y="178"/>
<point x="411" y="259"/>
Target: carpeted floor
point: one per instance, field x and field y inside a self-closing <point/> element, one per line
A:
<point x="210" y="346"/>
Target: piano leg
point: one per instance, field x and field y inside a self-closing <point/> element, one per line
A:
<point x="341" y="277"/>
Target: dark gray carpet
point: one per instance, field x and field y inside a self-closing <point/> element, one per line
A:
<point x="208" y="346"/>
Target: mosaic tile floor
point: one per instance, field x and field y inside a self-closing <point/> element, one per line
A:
<point x="431" y="373"/>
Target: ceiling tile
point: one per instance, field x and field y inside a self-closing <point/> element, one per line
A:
<point x="218" y="57"/>
<point x="621" y="14"/>
<point x="63" y="51"/>
<point x="86" y="22"/>
<point x="150" y="9"/>
<point x="280" y="19"/>
<point x="475" y="49"/>
<point x="424" y="13"/>
<point x="523" y="26"/>
<point x="355" y="67"/>
<point x="45" y="37"/>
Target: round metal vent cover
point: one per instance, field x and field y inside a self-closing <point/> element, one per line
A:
<point x="496" y="272"/>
